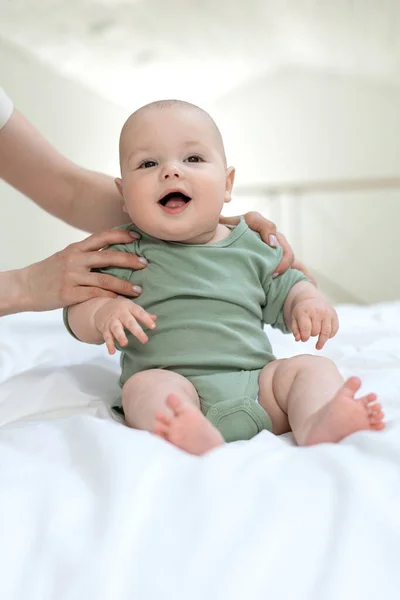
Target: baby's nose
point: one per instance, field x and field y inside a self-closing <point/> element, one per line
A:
<point x="172" y="171"/>
<point x="172" y="174"/>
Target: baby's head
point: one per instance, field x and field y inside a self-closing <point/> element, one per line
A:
<point x="174" y="174"/>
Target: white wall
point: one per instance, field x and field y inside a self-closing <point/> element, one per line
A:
<point x="305" y="126"/>
<point x="80" y="124"/>
<point x="295" y="125"/>
<point x="353" y="242"/>
<point x="299" y="125"/>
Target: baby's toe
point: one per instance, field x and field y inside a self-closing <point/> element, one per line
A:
<point x="376" y="416"/>
<point x="164" y="417"/>
<point x="160" y="430"/>
<point x="377" y="426"/>
<point x="368" y="400"/>
<point x="174" y="403"/>
<point x="351" y="386"/>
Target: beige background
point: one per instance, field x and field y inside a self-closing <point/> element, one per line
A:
<point x="293" y="123"/>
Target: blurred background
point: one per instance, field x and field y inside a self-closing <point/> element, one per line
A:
<point x="306" y="94"/>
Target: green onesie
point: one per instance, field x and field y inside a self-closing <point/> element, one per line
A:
<point x="211" y="302"/>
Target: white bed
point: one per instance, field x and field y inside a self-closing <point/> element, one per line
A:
<point x="92" y="510"/>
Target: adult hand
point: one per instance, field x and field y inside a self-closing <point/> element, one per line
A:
<point x="258" y="223"/>
<point x="300" y="267"/>
<point x="268" y="233"/>
<point x="66" y="278"/>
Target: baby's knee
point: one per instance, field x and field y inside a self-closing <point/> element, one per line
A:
<point x="139" y="385"/>
<point x="157" y="382"/>
<point x="310" y="361"/>
<point x="140" y="381"/>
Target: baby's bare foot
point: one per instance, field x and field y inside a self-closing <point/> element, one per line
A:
<point x="187" y="427"/>
<point x="342" y="416"/>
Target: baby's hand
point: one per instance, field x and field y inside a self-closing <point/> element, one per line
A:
<point x="119" y="314"/>
<point x="314" y="317"/>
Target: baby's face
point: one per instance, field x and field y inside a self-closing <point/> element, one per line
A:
<point x="174" y="177"/>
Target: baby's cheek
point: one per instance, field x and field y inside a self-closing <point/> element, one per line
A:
<point x="143" y="215"/>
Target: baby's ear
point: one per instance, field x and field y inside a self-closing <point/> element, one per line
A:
<point x="230" y="178"/>
<point x="118" y="183"/>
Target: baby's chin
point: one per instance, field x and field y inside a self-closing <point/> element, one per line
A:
<point x="181" y="234"/>
<point x="184" y="233"/>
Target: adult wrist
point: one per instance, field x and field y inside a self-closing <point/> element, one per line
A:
<point x="14" y="292"/>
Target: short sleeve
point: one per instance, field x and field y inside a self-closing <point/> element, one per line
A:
<point x="6" y="108"/>
<point x="66" y="323"/>
<point x="124" y="274"/>
<point x="277" y="290"/>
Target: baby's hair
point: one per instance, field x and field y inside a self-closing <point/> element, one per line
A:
<point x="172" y="103"/>
<point x="164" y="104"/>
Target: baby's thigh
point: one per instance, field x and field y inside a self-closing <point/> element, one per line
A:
<point x="146" y="392"/>
<point x="267" y="391"/>
<point x="275" y="383"/>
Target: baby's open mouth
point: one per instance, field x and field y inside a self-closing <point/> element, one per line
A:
<point x="174" y="202"/>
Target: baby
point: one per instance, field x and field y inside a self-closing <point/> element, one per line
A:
<point x="203" y="373"/>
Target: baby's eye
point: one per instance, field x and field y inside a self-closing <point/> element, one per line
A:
<point x="194" y="158"/>
<point x="147" y="164"/>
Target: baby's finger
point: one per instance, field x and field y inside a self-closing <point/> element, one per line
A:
<point x="109" y="340"/>
<point x="133" y="326"/>
<point x="305" y="327"/>
<point x="118" y="332"/>
<point x="141" y="315"/>
<point x="295" y="330"/>
<point x="324" y="335"/>
<point x="334" y="325"/>
<point x="316" y="326"/>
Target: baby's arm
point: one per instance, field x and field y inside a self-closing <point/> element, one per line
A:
<point x="104" y="319"/>
<point x="307" y="313"/>
<point x="80" y="319"/>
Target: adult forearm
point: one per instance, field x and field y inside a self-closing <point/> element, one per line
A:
<point x="95" y="202"/>
<point x="81" y="320"/>
<point x="13" y="293"/>
<point x="82" y="198"/>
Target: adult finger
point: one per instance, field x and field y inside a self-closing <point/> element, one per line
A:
<point x="105" y="238"/>
<point x="113" y="258"/>
<point x="301" y="267"/>
<point x="288" y="255"/>
<point x="229" y="220"/>
<point x="265" y="228"/>
<point x="258" y="223"/>
<point x="109" y="283"/>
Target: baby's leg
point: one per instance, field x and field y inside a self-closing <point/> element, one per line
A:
<point x="146" y="393"/>
<point x="168" y="404"/>
<point x="307" y="394"/>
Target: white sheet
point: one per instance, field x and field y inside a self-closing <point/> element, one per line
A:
<point x="92" y="510"/>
